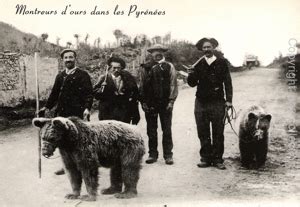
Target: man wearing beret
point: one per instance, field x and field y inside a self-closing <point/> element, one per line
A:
<point x="117" y="93"/>
<point x="72" y="92"/>
<point x="158" y="92"/>
<point x="211" y="76"/>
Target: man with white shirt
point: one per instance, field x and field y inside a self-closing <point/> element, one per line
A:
<point x="72" y="92"/>
<point x="158" y="92"/>
<point x="212" y="77"/>
<point x="117" y="93"/>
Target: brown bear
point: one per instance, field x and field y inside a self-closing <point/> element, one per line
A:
<point x="253" y="137"/>
<point x="84" y="146"/>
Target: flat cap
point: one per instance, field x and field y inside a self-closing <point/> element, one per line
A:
<point x="67" y="50"/>
<point x="157" y="47"/>
<point x="200" y="43"/>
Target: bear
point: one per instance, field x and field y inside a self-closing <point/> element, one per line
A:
<point x="85" y="146"/>
<point x="254" y="137"/>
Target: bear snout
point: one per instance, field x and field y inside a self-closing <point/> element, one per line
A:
<point x="47" y="150"/>
<point x="258" y="134"/>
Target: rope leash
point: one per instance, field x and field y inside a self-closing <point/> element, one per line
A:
<point x="230" y="114"/>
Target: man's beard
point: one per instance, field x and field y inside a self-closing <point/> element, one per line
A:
<point x="70" y="64"/>
<point x="208" y="53"/>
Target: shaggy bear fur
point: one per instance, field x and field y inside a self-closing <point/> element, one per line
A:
<point x="85" y="146"/>
<point x="253" y="137"/>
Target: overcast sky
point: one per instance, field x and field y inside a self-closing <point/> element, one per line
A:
<point x="255" y="26"/>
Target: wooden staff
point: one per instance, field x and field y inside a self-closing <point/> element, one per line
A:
<point x="36" y="54"/>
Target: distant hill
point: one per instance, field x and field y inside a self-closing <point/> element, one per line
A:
<point x="15" y="40"/>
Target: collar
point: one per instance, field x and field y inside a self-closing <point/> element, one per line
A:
<point x="69" y="72"/>
<point x="162" y="60"/>
<point x="210" y="60"/>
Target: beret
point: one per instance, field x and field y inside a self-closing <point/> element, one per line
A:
<point x="67" y="50"/>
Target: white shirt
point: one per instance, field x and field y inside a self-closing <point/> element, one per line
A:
<point x="70" y="71"/>
<point x="210" y="60"/>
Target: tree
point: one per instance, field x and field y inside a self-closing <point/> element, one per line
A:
<point x="57" y="40"/>
<point x="86" y="38"/>
<point x="77" y="40"/>
<point x="69" y="44"/>
<point x="98" y="41"/>
<point x="44" y="36"/>
<point x="118" y="34"/>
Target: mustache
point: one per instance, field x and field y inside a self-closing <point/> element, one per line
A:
<point x="69" y="62"/>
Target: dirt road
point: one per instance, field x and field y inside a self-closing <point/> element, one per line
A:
<point x="182" y="184"/>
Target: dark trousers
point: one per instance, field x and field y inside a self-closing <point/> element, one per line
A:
<point x="206" y="114"/>
<point x="166" y="124"/>
<point x="111" y="111"/>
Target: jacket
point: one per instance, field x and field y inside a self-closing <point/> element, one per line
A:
<point x="71" y="93"/>
<point x="211" y="80"/>
<point x="158" y="85"/>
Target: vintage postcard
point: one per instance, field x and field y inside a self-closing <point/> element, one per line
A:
<point x="149" y="103"/>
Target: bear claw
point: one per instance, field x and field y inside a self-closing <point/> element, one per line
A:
<point x="125" y="195"/>
<point x="71" y="196"/>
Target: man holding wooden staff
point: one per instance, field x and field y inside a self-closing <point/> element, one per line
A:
<point x="211" y="76"/>
<point x="72" y="92"/>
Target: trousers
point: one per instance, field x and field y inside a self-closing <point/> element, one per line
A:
<point x="212" y="144"/>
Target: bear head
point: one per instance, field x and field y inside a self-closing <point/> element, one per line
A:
<point x="258" y="124"/>
<point x="55" y="133"/>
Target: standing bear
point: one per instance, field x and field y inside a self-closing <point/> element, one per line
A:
<point x="84" y="146"/>
<point x="253" y="137"/>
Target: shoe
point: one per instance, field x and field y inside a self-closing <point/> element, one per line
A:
<point x="203" y="164"/>
<point x="169" y="161"/>
<point x="59" y="172"/>
<point x="220" y="166"/>
<point x="151" y="160"/>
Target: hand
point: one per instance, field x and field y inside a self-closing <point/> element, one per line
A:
<point x="86" y="115"/>
<point x="169" y="107"/>
<point x="228" y="104"/>
<point x="145" y="107"/>
<point x="41" y="112"/>
<point x="190" y="69"/>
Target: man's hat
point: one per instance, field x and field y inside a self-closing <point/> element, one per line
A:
<point x="67" y="50"/>
<point x="157" y="47"/>
<point x="117" y="60"/>
<point x="200" y="43"/>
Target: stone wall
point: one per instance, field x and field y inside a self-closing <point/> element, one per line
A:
<point x="17" y="78"/>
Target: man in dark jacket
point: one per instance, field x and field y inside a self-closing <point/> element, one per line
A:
<point x="211" y="76"/>
<point x="158" y="92"/>
<point x="72" y="92"/>
<point x="117" y="93"/>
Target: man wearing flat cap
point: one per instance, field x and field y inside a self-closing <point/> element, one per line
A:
<point x="214" y="91"/>
<point x="72" y="92"/>
<point x="158" y="92"/>
<point x="117" y="93"/>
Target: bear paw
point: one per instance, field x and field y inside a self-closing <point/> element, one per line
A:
<point x="71" y="196"/>
<point x="110" y="191"/>
<point x="126" y="195"/>
<point x="88" y="198"/>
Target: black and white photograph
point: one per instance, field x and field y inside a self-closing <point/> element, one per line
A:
<point x="149" y="103"/>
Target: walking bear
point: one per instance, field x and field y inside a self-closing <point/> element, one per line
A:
<point x="84" y="146"/>
<point x="253" y="137"/>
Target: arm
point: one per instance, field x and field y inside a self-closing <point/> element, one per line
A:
<point x="97" y="87"/>
<point x="228" y="84"/>
<point x="173" y="85"/>
<point x="53" y="97"/>
<point x="192" y="79"/>
<point x="142" y="85"/>
<point x="87" y="89"/>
